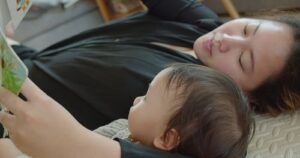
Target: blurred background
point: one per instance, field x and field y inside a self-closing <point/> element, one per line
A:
<point x="49" y="21"/>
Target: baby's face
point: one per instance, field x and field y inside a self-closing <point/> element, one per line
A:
<point x="149" y="115"/>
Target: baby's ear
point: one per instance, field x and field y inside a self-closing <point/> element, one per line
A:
<point x="167" y="142"/>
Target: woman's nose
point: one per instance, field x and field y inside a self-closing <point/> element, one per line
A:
<point x="225" y="42"/>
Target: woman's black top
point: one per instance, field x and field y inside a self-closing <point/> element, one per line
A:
<point x="97" y="74"/>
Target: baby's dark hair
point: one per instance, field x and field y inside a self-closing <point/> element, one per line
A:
<point x="282" y="93"/>
<point x="213" y="119"/>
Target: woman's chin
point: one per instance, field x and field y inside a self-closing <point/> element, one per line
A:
<point x="197" y="48"/>
<point x="200" y="56"/>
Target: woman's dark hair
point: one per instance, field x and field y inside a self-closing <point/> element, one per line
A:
<point x="212" y="117"/>
<point x="283" y="92"/>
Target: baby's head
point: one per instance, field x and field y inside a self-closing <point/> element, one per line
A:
<point x="192" y="110"/>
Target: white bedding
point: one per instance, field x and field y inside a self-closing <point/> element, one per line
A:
<point x="276" y="137"/>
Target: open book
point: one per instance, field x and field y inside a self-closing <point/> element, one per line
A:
<point x="13" y="72"/>
<point x="12" y="12"/>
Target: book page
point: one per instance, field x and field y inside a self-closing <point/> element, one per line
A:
<point x="4" y="15"/>
<point x="13" y="72"/>
<point x="18" y="10"/>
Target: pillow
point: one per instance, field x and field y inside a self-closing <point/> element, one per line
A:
<point x="277" y="137"/>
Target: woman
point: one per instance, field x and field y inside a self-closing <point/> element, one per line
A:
<point x="97" y="73"/>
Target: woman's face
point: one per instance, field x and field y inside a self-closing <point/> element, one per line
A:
<point x="250" y="51"/>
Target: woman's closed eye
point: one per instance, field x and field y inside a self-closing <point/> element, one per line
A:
<point x="245" y="30"/>
<point x="241" y="54"/>
<point x="240" y="61"/>
<point x="246" y="62"/>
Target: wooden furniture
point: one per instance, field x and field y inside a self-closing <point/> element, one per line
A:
<point x="228" y="5"/>
<point x="108" y="14"/>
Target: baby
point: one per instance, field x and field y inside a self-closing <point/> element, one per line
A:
<point x="194" y="111"/>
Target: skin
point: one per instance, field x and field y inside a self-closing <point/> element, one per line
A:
<point x="42" y="128"/>
<point x="31" y="127"/>
<point x="33" y="119"/>
<point x="8" y="149"/>
<point x="154" y="111"/>
<point x="246" y="50"/>
<point x="9" y="30"/>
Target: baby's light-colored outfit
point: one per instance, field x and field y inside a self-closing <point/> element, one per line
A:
<point x="116" y="129"/>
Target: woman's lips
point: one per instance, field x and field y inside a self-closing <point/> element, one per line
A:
<point x="208" y="44"/>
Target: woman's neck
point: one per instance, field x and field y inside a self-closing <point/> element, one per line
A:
<point x="177" y="48"/>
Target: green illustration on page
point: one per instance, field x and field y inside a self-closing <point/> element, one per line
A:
<point x="13" y="71"/>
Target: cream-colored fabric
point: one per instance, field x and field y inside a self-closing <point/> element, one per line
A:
<point x="115" y="129"/>
<point x="276" y="137"/>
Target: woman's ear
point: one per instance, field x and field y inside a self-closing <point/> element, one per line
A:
<point x="168" y="141"/>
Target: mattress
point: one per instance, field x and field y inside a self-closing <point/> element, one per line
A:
<point x="277" y="137"/>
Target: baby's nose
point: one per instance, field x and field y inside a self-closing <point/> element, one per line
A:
<point x="137" y="100"/>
